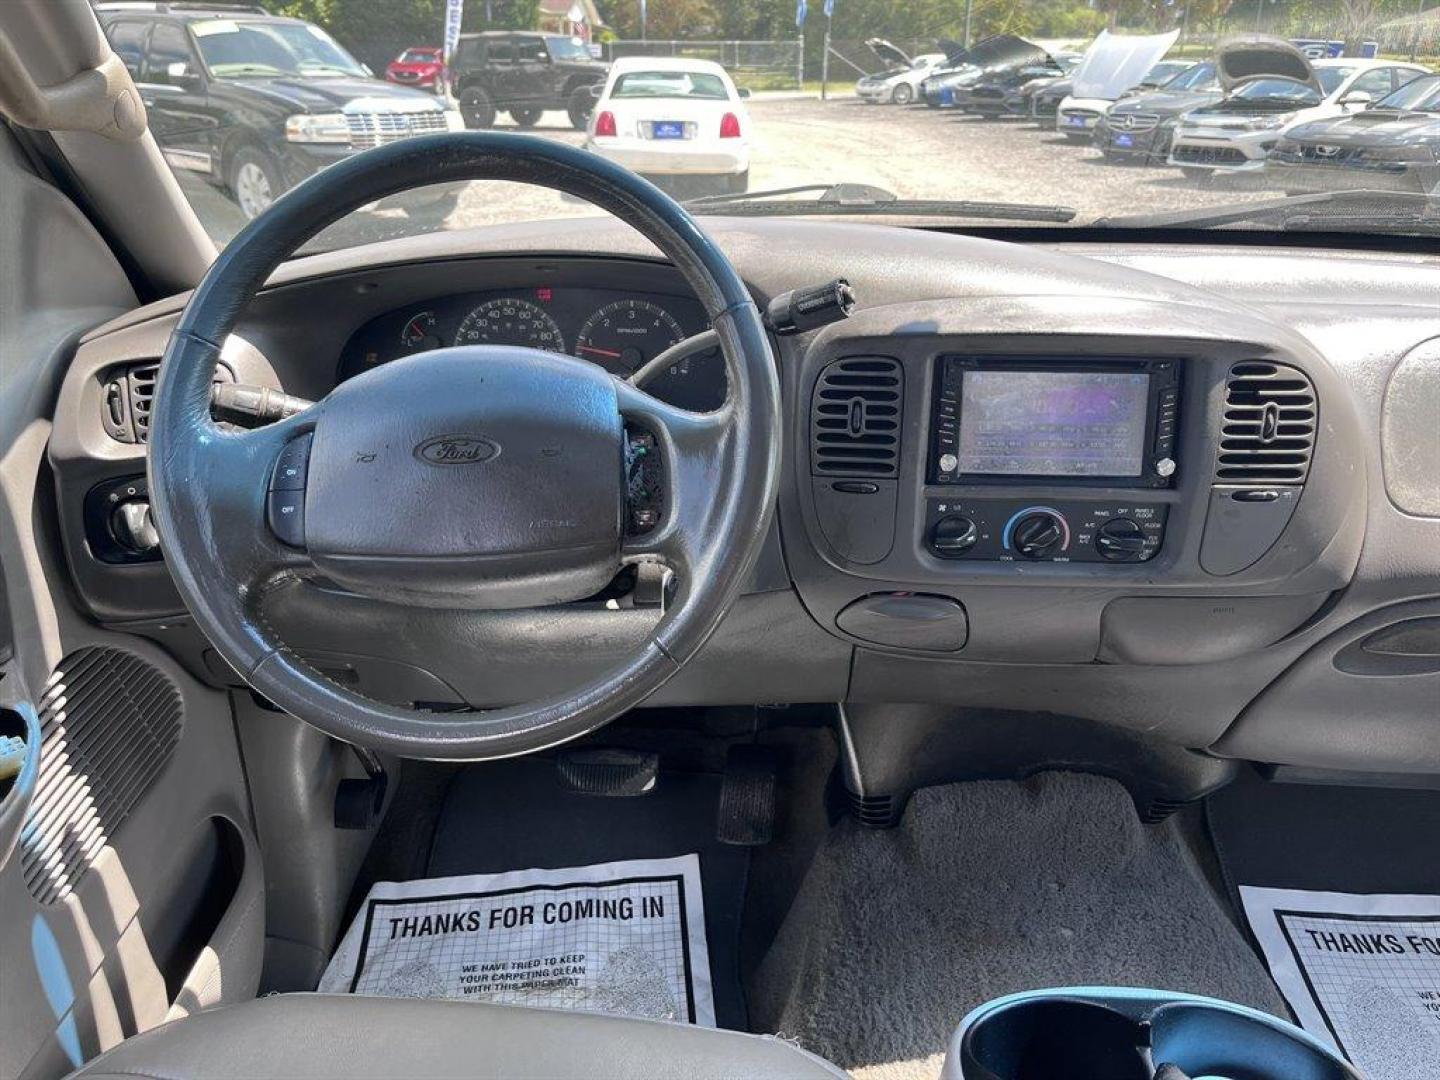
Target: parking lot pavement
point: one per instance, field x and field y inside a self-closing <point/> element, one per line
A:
<point x="914" y="152"/>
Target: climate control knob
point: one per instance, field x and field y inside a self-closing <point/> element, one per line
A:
<point x="951" y="537"/>
<point x="1039" y="534"/>
<point x="1120" y="540"/>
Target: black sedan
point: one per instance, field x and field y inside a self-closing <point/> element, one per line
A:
<point x="1394" y="145"/>
<point x="1138" y="128"/>
<point x="996" y="94"/>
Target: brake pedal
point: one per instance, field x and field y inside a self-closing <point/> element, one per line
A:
<point x="747" y="797"/>
<point x="609" y="773"/>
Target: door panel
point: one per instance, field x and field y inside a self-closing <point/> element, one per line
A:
<point x="140" y="891"/>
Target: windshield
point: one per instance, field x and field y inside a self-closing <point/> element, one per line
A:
<point x="669" y="84"/>
<point x="1330" y="78"/>
<point x="1282" y="91"/>
<point x="1421" y="95"/>
<point x="234" y="49"/>
<point x="725" y="103"/>
<point x="562" y="48"/>
<point x="1199" y="77"/>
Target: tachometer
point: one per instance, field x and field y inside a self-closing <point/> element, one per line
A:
<point x="508" y="321"/>
<point x="623" y="336"/>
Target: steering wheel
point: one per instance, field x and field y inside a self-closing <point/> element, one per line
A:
<point x="477" y="477"/>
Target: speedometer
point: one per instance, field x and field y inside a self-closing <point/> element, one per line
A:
<point x="624" y="336"/>
<point x="508" y="321"/>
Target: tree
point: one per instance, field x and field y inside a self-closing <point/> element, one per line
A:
<point x="666" y="20"/>
<point x="377" y="30"/>
<point x="1358" y="19"/>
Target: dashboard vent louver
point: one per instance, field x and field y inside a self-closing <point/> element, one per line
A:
<point x="127" y="397"/>
<point x="1268" y="432"/>
<point x="855" y="418"/>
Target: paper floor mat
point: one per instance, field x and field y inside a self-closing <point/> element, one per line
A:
<point x="618" y="937"/>
<point x="1360" y="970"/>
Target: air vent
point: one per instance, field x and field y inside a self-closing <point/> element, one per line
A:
<point x="128" y="394"/>
<point x="109" y="723"/>
<point x="1269" y="426"/>
<point x="855" y="418"/>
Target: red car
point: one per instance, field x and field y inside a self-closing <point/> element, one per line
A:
<point x="418" y="67"/>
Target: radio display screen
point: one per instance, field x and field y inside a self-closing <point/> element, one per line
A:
<point x="1053" y="423"/>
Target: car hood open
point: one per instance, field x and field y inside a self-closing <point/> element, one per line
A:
<point x="1115" y="63"/>
<point x="1249" y="56"/>
<point x="889" y="54"/>
<point x="1001" y="50"/>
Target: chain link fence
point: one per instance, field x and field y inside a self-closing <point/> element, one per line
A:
<point x="756" y="65"/>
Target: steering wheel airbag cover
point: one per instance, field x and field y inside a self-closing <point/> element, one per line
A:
<point x="472" y="476"/>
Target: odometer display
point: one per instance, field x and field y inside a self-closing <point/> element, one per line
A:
<point x="508" y="321"/>
<point x="624" y="336"/>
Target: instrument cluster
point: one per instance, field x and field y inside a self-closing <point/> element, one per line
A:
<point x="618" y="330"/>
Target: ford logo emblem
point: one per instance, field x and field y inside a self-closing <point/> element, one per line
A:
<point x="456" y="450"/>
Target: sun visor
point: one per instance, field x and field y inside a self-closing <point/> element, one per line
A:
<point x="1249" y="56"/>
<point x="1115" y="63"/>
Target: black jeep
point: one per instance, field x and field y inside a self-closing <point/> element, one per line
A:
<point x="524" y="74"/>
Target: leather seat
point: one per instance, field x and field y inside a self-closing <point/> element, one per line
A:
<point x="315" y="1036"/>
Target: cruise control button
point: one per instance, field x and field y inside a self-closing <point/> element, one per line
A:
<point x="292" y="465"/>
<point x="286" y="513"/>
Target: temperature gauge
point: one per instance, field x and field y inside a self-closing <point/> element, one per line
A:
<point x="419" y="332"/>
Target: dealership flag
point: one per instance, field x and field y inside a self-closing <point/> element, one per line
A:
<point x="454" y="15"/>
<point x="800" y="13"/>
<point x="829" y="8"/>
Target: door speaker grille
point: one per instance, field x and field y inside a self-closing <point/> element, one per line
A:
<point x="109" y="723"/>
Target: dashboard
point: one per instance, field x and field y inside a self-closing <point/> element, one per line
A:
<point x="619" y="330"/>
<point x="1175" y="493"/>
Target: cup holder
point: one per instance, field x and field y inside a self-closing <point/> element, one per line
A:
<point x="1098" y="1033"/>
<point x="1056" y="1039"/>
<point x="1203" y="1040"/>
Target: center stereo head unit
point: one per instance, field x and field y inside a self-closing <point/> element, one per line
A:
<point x="1033" y="421"/>
<point x="1001" y="420"/>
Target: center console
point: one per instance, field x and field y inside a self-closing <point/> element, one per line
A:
<point x="1056" y="422"/>
<point x="1130" y="485"/>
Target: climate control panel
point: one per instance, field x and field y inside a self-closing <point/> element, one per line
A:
<point x="1038" y="530"/>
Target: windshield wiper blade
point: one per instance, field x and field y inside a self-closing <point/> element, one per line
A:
<point x="1370" y="210"/>
<point x="855" y="199"/>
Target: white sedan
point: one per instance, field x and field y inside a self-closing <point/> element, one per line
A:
<point x="679" y="122"/>
<point x="1237" y="133"/>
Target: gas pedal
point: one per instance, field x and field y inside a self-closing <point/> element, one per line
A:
<point x="747" y="797"/>
<point x="608" y="772"/>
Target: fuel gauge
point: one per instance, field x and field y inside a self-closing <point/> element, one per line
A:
<point x="419" y="332"/>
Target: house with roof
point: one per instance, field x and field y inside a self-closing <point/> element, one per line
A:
<point x="578" y="18"/>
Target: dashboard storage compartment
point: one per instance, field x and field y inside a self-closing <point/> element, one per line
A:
<point x="907" y="621"/>
<point x="1085" y="1033"/>
<point x="1198" y="629"/>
